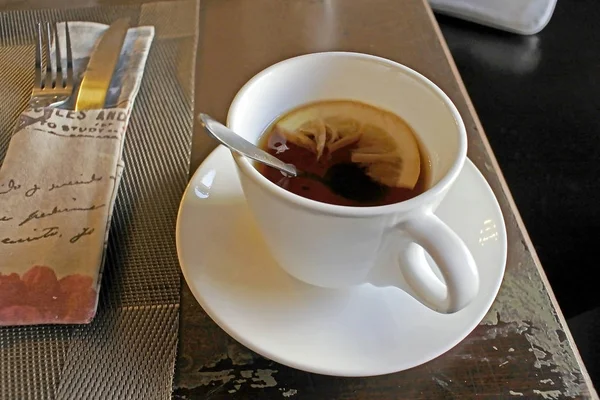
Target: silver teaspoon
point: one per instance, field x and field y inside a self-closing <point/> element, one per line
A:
<point x="240" y="145"/>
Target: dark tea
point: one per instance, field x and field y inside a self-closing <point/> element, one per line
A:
<point x="348" y="153"/>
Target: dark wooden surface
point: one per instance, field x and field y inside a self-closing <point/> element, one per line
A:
<point x="522" y="348"/>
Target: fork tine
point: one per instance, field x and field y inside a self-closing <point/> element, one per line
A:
<point x="38" y="57"/>
<point x="48" y="92"/>
<point x="59" y="78"/>
<point x="48" y="80"/>
<point x="69" y="56"/>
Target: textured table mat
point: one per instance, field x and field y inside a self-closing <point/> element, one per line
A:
<point x="129" y="350"/>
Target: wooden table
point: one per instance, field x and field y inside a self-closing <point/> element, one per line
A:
<point x="522" y="348"/>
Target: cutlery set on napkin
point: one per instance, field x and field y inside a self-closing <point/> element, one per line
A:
<point x="61" y="173"/>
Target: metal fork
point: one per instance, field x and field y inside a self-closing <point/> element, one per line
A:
<point x="51" y="90"/>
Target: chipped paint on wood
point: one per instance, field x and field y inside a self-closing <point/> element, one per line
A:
<point x="246" y="374"/>
<point x="208" y="378"/>
<point x="231" y="381"/>
<point x="288" y="393"/>
<point x="523" y="307"/>
<point x="264" y="378"/>
<point x="550" y="394"/>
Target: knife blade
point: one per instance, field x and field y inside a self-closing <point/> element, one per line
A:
<point x="101" y="66"/>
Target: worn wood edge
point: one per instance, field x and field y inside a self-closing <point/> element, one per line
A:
<point x="511" y="203"/>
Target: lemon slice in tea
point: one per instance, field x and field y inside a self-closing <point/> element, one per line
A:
<point x="383" y="143"/>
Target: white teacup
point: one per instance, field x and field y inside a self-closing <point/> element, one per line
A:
<point x="335" y="246"/>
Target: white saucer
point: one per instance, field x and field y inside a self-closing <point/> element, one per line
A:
<point x="361" y="331"/>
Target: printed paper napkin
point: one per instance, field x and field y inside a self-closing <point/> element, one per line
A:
<point x="58" y="184"/>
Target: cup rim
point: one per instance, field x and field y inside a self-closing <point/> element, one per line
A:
<point x="427" y="197"/>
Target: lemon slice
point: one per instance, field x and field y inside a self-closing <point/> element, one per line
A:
<point x="318" y="127"/>
<point x="384" y="144"/>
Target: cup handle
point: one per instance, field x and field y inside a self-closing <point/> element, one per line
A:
<point x="452" y="257"/>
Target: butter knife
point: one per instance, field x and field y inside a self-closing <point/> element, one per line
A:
<point x="98" y="74"/>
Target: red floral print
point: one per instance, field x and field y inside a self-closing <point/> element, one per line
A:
<point x="38" y="297"/>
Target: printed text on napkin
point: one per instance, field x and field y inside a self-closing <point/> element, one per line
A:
<point x="57" y="189"/>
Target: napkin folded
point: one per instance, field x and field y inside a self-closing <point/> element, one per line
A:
<point x="525" y="17"/>
<point x="58" y="184"/>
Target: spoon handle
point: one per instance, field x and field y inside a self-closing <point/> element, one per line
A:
<point x="240" y="145"/>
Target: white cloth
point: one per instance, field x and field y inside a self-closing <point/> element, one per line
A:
<point x="58" y="184"/>
<point x="525" y="17"/>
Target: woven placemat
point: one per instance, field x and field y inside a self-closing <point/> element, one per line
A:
<point x="128" y="351"/>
